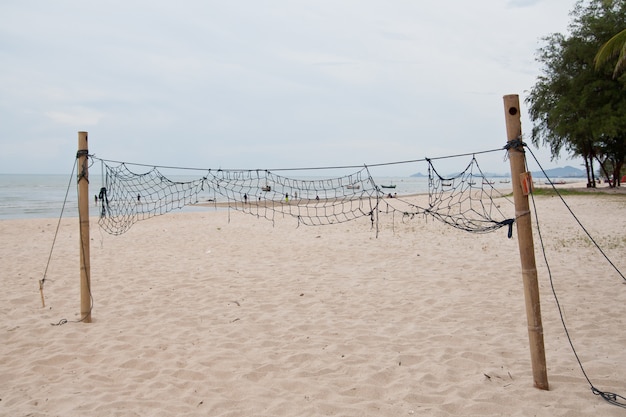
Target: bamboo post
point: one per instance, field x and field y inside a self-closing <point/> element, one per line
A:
<point x="517" y="160"/>
<point x="83" y="218"/>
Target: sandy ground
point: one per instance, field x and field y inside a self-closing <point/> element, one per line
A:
<point x="219" y="313"/>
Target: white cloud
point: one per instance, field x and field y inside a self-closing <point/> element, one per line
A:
<point x="75" y="117"/>
<point x="523" y="3"/>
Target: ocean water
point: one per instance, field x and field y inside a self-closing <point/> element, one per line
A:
<point x="37" y="196"/>
<point x="44" y="196"/>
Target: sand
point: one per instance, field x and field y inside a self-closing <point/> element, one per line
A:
<point x="218" y="313"/>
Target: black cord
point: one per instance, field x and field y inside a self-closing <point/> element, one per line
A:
<point x="306" y="168"/>
<point x="610" y="397"/>
<point x="577" y="220"/>
<point x="67" y="191"/>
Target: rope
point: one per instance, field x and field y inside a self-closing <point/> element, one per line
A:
<point x="411" y="161"/>
<point x="42" y="281"/>
<point x="612" y="398"/>
<point x="606" y="257"/>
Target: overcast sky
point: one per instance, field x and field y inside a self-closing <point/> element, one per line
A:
<point x="266" y="84"/>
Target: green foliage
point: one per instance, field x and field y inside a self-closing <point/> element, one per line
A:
<point x="551" y="192"/>
<point x="577" y="105"/>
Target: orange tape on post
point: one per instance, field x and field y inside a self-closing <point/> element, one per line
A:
<point x="526" y="182"/>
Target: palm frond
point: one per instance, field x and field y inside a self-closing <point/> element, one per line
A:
<point x="616" y="46"/>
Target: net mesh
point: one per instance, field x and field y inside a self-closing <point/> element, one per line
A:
<point x="464" y="200"/>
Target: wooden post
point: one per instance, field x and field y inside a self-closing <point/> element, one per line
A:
<point x="525" y="240"/>
<point x="83" y="218"/>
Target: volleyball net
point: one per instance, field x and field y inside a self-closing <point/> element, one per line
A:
<point x="134" y="192"/>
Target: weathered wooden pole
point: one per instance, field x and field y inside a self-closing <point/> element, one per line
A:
<point x="83" y="218"/>
<point x="521" y="188"/>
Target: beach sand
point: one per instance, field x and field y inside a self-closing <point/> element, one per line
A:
<point x="220" y="313"/>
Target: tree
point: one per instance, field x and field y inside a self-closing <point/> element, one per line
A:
<point x="575" y="107"/>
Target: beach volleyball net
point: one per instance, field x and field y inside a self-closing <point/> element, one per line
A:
<point x="134" y="192"/>
<point x="466" y="200"/>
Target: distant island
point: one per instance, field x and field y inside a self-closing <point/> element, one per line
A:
<point x="561" y="172"/>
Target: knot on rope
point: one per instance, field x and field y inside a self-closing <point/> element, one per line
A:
<point x="516" y="144"/>
<point x="105" y="201"/>
<point x="610" y="397"/>
<point x="508" y="222"/>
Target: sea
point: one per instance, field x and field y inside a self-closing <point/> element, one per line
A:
<point x="28" y="196"/>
